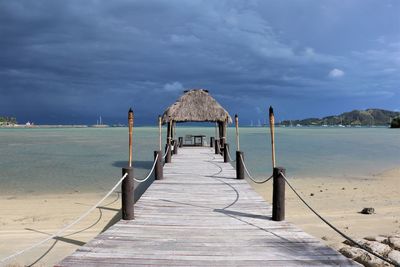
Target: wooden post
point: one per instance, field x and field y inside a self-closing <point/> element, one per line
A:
<point x="223" y="136"/>
<point x="224" y="124"/>
<point x="127" y="194"/>
<point x="237" y="132"/>
<point x="278" y="195"/>
<point x="212" y="141"/>
<point x="226" y="153"/>
<point x="180" y="141"/>
<point x="159" y="133"/>
<point x="239" y="165"/>
<point x="272" y="130"/>
<point x="169" y="153"/>
<point x="158" y="171"/>
<point x="173" y="129"/>
<point x="169" y="132"/>
<point x="216" y="146"/>
<point x="175" y="147"/>
<point x="127" y="186"/>
<point x="130" y="126"/>
<point x="220" y="133"/>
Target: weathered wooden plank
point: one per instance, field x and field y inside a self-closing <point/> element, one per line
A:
<point x="200" y="215"/>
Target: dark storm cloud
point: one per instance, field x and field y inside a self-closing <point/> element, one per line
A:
<point x="72" y="61"/>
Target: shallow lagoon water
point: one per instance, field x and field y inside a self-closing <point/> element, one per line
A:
<point x="38" y="160"/>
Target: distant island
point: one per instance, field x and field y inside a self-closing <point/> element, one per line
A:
<point x="355" y="118"/>
<point x="7" y="121"/>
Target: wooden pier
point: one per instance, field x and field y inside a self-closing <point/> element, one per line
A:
<point x="201" y="215"/>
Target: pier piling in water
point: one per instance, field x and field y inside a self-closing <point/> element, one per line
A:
<point x="278" y="194"/>
<point x="158" y="172"/>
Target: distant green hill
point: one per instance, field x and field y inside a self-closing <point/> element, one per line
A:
<point x="369" y="117"/>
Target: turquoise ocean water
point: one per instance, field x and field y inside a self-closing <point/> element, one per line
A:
<point x="41" y="160"/>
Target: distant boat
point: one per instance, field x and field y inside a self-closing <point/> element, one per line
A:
<point x="341" y="123"/>
<point x="29" y="124"/>
<point x="99" y="124"/>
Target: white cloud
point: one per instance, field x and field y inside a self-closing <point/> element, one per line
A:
<point x="336" y="73"/>
<point x="173" y="87"/>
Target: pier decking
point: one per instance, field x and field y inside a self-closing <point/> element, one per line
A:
<point x="200" y="215"/>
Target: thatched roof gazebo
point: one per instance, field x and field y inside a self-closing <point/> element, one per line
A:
<point x="196" y="105"/>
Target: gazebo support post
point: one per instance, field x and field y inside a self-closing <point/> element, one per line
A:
<point x="173" y="131"/>
<point x="223" y="137"/>
<point x="169" y="138"/>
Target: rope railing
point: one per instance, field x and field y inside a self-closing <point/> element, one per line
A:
<point x="229" y="156"/>
<point x="151" y="171"/>
<point x="251" y="177"/>
<point x="62" y="230"/>
<point x="336" y="229"/>
<point x="166" y="152"/>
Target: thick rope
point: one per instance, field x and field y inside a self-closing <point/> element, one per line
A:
<point x="336" y="229"/>
<point x="166" y="152"/>
<point x="151" y="171"/>
<point x="229" y="156"/>
<point x="59" y="232"/>
<point x="251" y="177"/>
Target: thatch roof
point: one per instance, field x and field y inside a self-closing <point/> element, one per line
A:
<point x="196" y="105"/>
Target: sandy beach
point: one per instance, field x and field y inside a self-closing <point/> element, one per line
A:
<point x="26" y="220"/>
<point x="340" y="201"/>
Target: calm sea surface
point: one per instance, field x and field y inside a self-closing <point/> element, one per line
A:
<point x="90" y="159"/>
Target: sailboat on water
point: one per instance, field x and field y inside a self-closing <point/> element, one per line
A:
<point x="99" y="124"/>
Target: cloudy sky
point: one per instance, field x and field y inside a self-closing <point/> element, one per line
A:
<point x="72" y="61"/>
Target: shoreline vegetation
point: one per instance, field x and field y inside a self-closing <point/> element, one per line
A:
<point x="395" y="123"/>
<point x="7" y="121"/>
<point x="21" y="126"/>
<point x="355" y="118"/>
